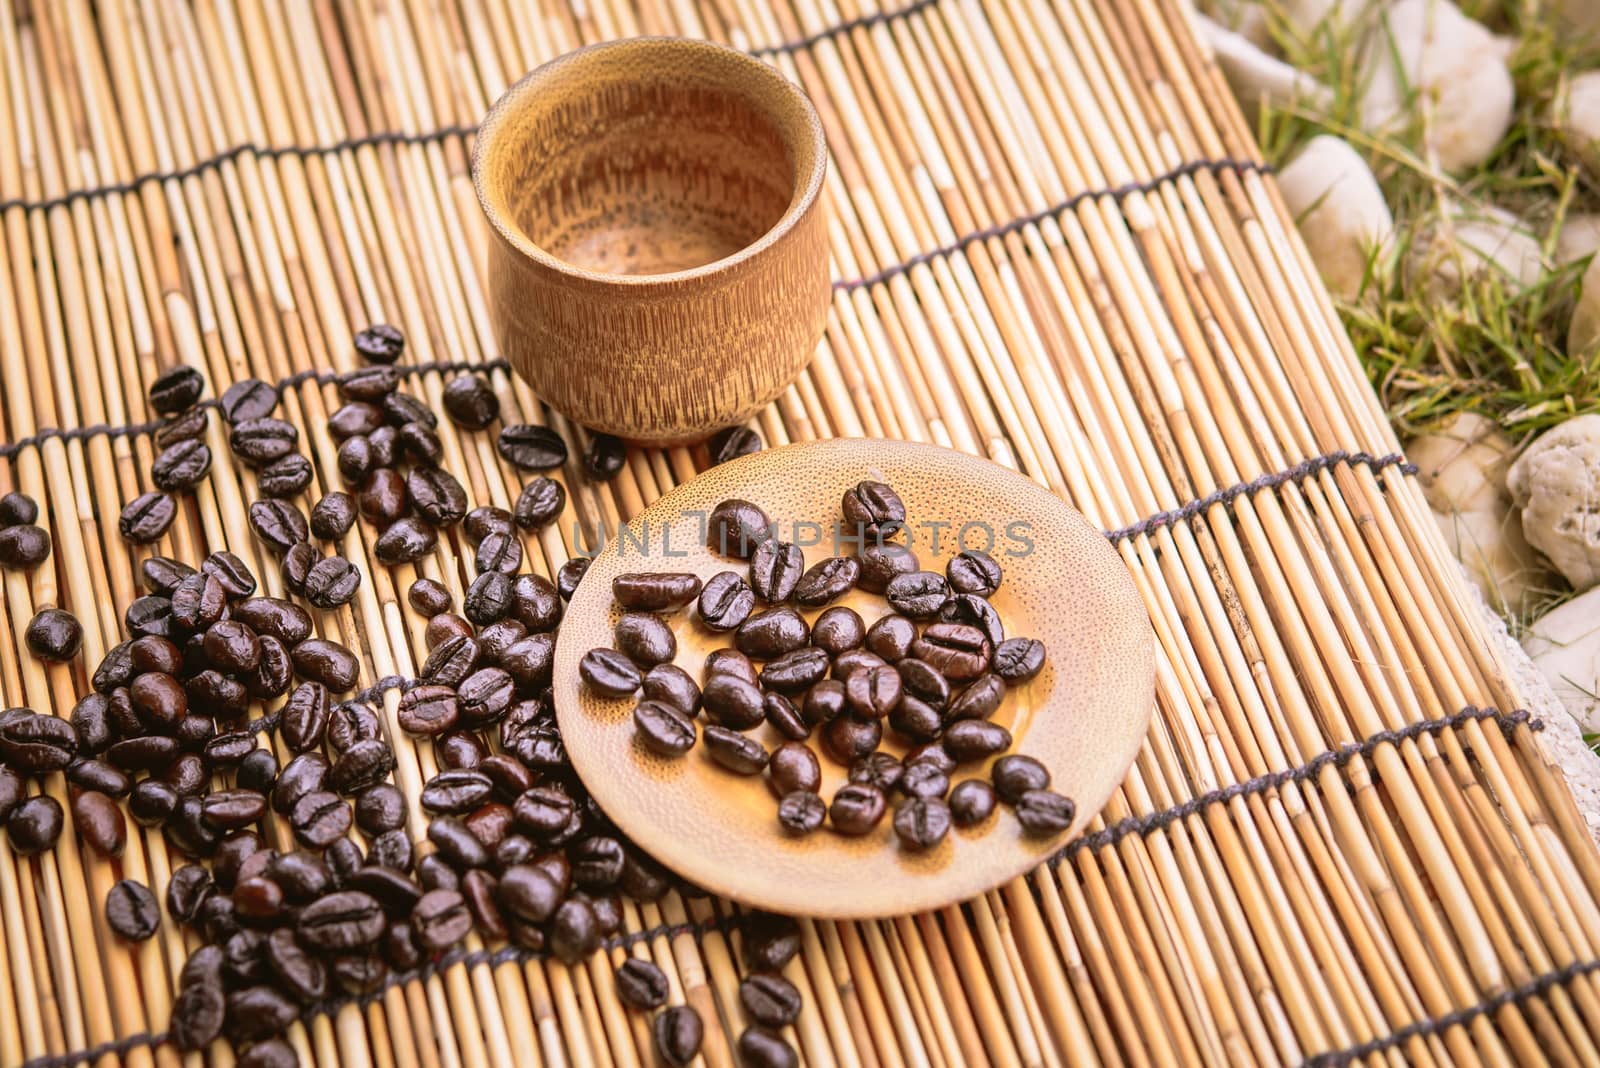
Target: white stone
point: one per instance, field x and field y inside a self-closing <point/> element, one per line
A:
<point x="1471" y="247"/>
<point x="1583" y="333"/>
<point x="1341" y="212"/>
<point x="1257" y="78"/>
<point x="1556" y="483"/>
<point x="1576" y="116"/>
<point x="1580" y="237"/>
<point x="1457" y="71"/>
<point x="1565" y="644"/>
<point x="1462" y="468"/>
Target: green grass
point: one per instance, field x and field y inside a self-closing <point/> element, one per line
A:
<point x="1499" y="349"/>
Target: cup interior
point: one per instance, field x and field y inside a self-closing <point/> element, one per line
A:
<point x="648" y="157"/>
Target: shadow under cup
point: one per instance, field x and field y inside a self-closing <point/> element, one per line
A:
<point x="658" y="267"/>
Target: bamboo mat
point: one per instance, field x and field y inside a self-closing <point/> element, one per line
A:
<point x="1056" y="247"/>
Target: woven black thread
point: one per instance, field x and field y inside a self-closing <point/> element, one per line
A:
<point x="1303" y="470"/>
<point x="1275" y="780"/>
<point x="1118" y="192"/>
<point x="1432" y="1025"/>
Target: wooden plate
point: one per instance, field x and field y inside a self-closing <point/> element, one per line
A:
<point x="1084" y="716"/>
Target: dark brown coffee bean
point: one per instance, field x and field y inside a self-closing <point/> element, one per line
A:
<point x="54" y="634"/>
<point x="274" y="672"/>
<point x="823" y="702"/>
<point x="151" y="802"/>
<point x="211" y="693"/>
<point x="258" y="771"/>
<point x="974" y="611"/>
<point x="663" y="729"/>
<point x="401" y="408"/>
<point x="304" y="719"/>
<point x="916" y="719"/>
<point x="484" y="696"/>
<point x="655" y="591"/>
<point x="847" y="738"/>
<point x="529" y="660"/>
<point x="297" y="564"/>
<point x="440" y="920"/>
<point x="857" y="808"/>
<point x="891" y="637"/>
<point x="597" y="862"/>
<point x="333" y="516"/>
<point x="232" y="646"/>
<point x="736" y="527"/>
<point x="229" y="810"/>
<point x="570" y="574"/>
<point x="827" y="580"/>
<point x="924" y="681"/>
<point x="318" y="818"/>
<point x="145" y="518"/>
<point x="242" y="962"/>
<point x="979" y="700"/>
<point x="17" y="509"/>
<point x="574" y="932"/>
<point x="609" y="673"/>
<point x="971" y="802"/>
<point x="404" y="541"/>
<point x="645" y="639"/>
<point x="187" y="890"/>
<point x="188" y="775"/>
<point x="91" y="719"/>
<point x="259" y="442"/>
<point x="775" y="570"/>
<point x="739" y="753"/>
<point x="327" y="662"/>
<point x="226" y="750"/>
<point x="437" y="496"/>
<point x="533" y="448"/>
<point x="837" y="630"/>
<point x="771" y="941"/>
<point x="159" y="700"/>
<point x="725" y="602"/>
<point x="363" y="764"/>
<point x="380" y="808"/>
<point x="99" y="821"/>
<point x="974" y="739"/>
<point x="761" y="1048"/>
<point x="368" y="383"/>
<point x="284" y="620"/>
<point x="356" y="419"/>
<point x="420" y="443"/>
<point x="86" y="773"/>
<point x="485" y="520"/>
<point x="641" y="984"/>
<point x="529" y="893"/>
<point x="390" y="886"/>
<point x="456" y="841"/>
<point x="539" y="504"/>
<point x="451" y="661"/>
<point x="248" y="399"/>
<point x="455" y="792"/>
<point x="258" y="898"/>
<point x="132" y="910"/>
<point x="783" y="717"/>
<point x="882" y="770"/>
<point x="772" y="633"/>
<point x="603" y="457"/>
<point x="23" y="548"/>
<point x="543" y="811"/>
<point x="672" y="686"/>
<point x="332" y="582"/>
<point x="1016" y="660"/>
<point x="152" y="753"/>
<point x="428" y="598"/>
<point x="197" y="1015"/>
<point x="883" y="563"/>
<point x="974" y="571"/>
<point x="802" y="812"/>
<point x="382" y="496"/>
<point x="795" y="671"/>
<point x="175" y="389"/>
<point x="873" y="693"/>
<point x="441" y="628"/>
<point x="793" y="766"/>
<point x="36" y="744"/>
<point x="1045" y="812"/>
<point x="458" y="749"/>
<point x="498" y="552"/>
<point x="535" y="603"/>
<point x="302" y="975"/>
<point x="115" y="669"/>
<point x="731" y="443"/>
<point x="917" y="595"/>
<point x="239" y="855"/>
<point x="279" y="524"/>
<point x="732" y="702"/>
<point x="189" y="426"/>
<point x="380" y="343"/>
<point x="770" y="1000"/>
<point x="285" y="477"/>
<point x="678" y="1033"/>
<point x="355" y="460"/>
<point x="957" y="650"/>
<point x="729" y="662"/>
<point x="470" y="402"/>
<point x="875" y="510"/>
<point x="344" y="920"/>
<point x="922" y="822"/>
<point x="1015" y="774"/>
<point x="428" y="710"/>
<point x="360" y="974"/>
<point x="924" y="779"/>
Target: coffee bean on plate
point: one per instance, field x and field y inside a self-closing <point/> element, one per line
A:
<point x="801" y="812"/>
<point x="978" y="700"/>
<point x="958" y="651"/>
<point x="873" y="693"/>
<point x="725" y="602"/>
<point x="974" y="739"/>
<point x="663" y="729"/>
<point x="673" y="686"/>
<point x="570" y="574"/>
<point x="736" y="527"/>
<point x="793" y="766"/>
<point x="775" y="570"/>
<point x="781" y="714"/>
<point x="917" y="595"/>
<point x="795" y="671"/>
<point x="1018" y="659"/>
<point x="825" y="701"/>
<point x="880" y="769"/>
<point x="658" y="591"/>
<point x="645" y="639"/>
<point x="732" y="701"/>
<point x="772" y="633"/>
<point x="1045" y="812"/>
<point x="857" y="808"/>
<point x="875" y="509"/>
<point x="881" y="564"/>
<point x="826" y="581"/>
<point x="1015" y="774"/>
<point x="739" y="753"/>
<point x="847" y="738"/>
<point x="609" y="673"/>
<point x="729" y="662"/>
<point x="974" y="611"/>
<point x="971" y="801"/>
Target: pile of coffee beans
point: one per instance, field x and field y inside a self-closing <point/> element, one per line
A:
<point x="24" y="544"/>
<point x="932" y="671"/>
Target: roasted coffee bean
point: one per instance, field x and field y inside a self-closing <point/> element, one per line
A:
<point x="380" y="343"/>
<point x="304" y="719"/>
<point x="401" y="408"/>
<point x="86" y="773"/>
<point x="440" y="920"/>
<point x="366" y="763"/>
<point x="484" y="696"/>
<point x="382" y="496"/>
<point x="529" y="661"/>
<point x="259" y="442"/>
<point x="775" y="569"/>
<point x="360" y="974"/>
<point x="793" y="766"/>
<point x="974" y="611"/>
<point x="645" y="639"/>
<point x="258" y="771"/>
<point x="428" y="598"/>
<point x="232" y="572"/>
<point x="770" y="1000"/>
<point x="739" y="753"/>
<point x="539" y="504"/>
<point x="729" y="662"/>
<point x="916" y="719"/>
<point x="258" y="898"/>
<point x="302" y="976"/>
<point x="485" y="520"/>
<point x="770" y="942"/>
<point x="278" y="523"/>
<point x="195" y="732"/>
<point x="149" y="615"/>
<point x="457" y="842"/>
<point x="736" y="527"/>
<point x="23" y="548"/>
<point x="420" y="443"/>
<point x="99" y="821"/>
<point x="331" y="582"/>
<point x="533" y="448"/>
<point x="356" y="419"/>
<point x="609" y="673"/>
<point x="922" y="680"/>
<point x="892" y="637"/>
<point x="1045" y="812"/>
<point x="368" y="383"/>
<point x="971" y="802"/>
<point x="274" y="672"/>
<point x="91" y="719"/>
<point x="917" y="595"/>
<point x="642" y="878"/>
<point x="458" y="749"/>
<point x="603" y="457"/>
<point x="391" y="887"/>
<point x="36" y="744"/>
<point x="922" y="822"/>
<point x="974" y="739"/>
<point x="795" y="671"/>
<point x="872" y="693"/>
<point x="924" y="779"/>
<point x="979" y="700"/>
<point x="655" y="591"/>
<point x="847" y="738"/>
<point x="732" y="702"/>
<point x="232" y="646"/>
<point x="570" y="574"/>
<point x="641" y="984"/>
<point x="488" y="598"/>
<point x="528" y="892"/>
<point x="875" y="510"/>
<point x="34" y="825"/>
<point x="344" y="920"/>
<point x="344" y="858"/>
<point x="211" y="693"/>
<point x="234" y="854"/>
<point x="958" y="651"/>
<point x="470" y="402"/>
<point x="151" y="802"/>
<point x="1015" y="774"/>
<point x="663" y="729"/>
<point x="215" y="920"/>
<point x="678" y="1033"/>
<point x="297" y="564"/>
<point x="802" y="812"/>
<point x="1016" y="660"/>
<point x="327" y="662"/>
<point x="827" y="580"/>
<point x="404" y="541"/>
<point x="197" y="1015"/>
<point x="451" y="661"/>
<point x="175" y="389"/>
<point x="434" y="873"/>
<point x="455" y="792"/>
<point x="152" y="753"/>
<point x="597" y="862"/>
<point x="497" y="638"/>
<point x="782" y="716"/>
<point x="883" y="563"/>
<point x="441" y="628"/>
<point x="187" y="890"/>
<point x="535" y="603"/>
<point x="498" y="552"/>
<point x="17" y="509"/>
<point x="226" y="750"/>
<point x="823" y="702"/>
<point x="725" y="602"/>
<point x="379" y="808"/>
<point x="189" y="426"/>
<point x="974" y="571"/>
<point x="507" y="775"/>
<point x="772" y="633"/>
<point x="574" y="932"/>
<point x="543" y="811"/>
<point x="355" y="460"/>
<point x="285" y="477"/>
<point x="857" y="808"/>
<point x="248" y="399"/>
<point x="882" y="770"/>
<point x="428" y="710"/>
<point x="54" y="634"/>
<point x="115" y="669"/>
<point x="145" y="518"/>
<point x="437" y="496"/>
<point x="229" y="810"/>
<point x="838" y="629"/>
<point x="318" y="818"/>
<point x="188" y="774"/>
<point x="269" y="1053"/>
<point x="761" y="1048"/>
<point x="731" y="443"/>
<point x="930" y="752"/>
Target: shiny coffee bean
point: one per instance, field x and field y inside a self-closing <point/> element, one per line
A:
<point x="1017" y="660"/>
<point x="539" y="504"/>
<point x="455" y="840"/>
<point x="1045" y="812"/>
<point x="729" y="662"/>
<point x="795" y="671"/>
<point x="36" y="744"/>
<point x="922" y="822"/>
<point x="771" y="941"/>
<point x="529" y="661"/>
<point x="54" y="634"/>
<point x="258" y="771"/>
<point x="279" y="524"/>
<point x="304" y="718"/>
<point x="366" y="763"/>
<point x="404" y="541"/>
<point x="368" y="383"/>
<point x="775" y="570"/>
<point x="974" y="571"/>
<point x="725" y="602"/>
<point x="825" y="701"/>
<point x="132" y="910"/>
<point x="874" y="509"/>
<point x="802" y="812"/>
<point x="916" y="719"/>
<point x="441" y="628"/>
<point x="847" y="738"/>
<point x="91" y="719"/>
<point x="145" y="518"/>
<point x="569" y="575"/>
<point x="440" y="920"/>
<point x="882" y="770"/>
<point x="731" y="443"/>
<point x="428" y="598"/>
<point x="543" y="811"/>
<point x="484" y="696"/>
<point x="645" y="639"/>
<point x="663" y="729"/>
<point x="188" y="774"/>
<point x="484" y="520"/>
<point x="609" y="673"/>
<point x="659" y="591"/>
<point x="428" y="710"/>
<point x="452" y="660"/>
<point x="958" y="651"/>
<point x="437" y="495"/>
<point x="924" y="779"/>
<point x="259" y="442"/>
<point x="979" y="700"/>
<point x="455" y="792"/>
<point x="793" y="766"/>
<point x="528" y="892"/>
<point x="458" y="749"/>
<point x="882" y="564"/>
<point x="344" y="920"/>
<point x="489" y="597"/>
<point x="287" y="476"/>
<point x="597" y="862"/>
<point x="143" y="754"/>
<point x="826" y="581"/>
<point x="190" y="426"/>
<point x="380" y="343"/>
<point x="17" y="509"/>
<point x="229" y="810"/>
<point x="673" y="686"/>
<point x="971" y="802"/>
<point x="332" y="582"/>
<point x="356" y="419"/>
<point x="380" y="808"/>
<point x="535" y="603"/>
<point x="761" y="1048"/>
<point x="974" y="739"/>
<point x="974" y="611"/>
<point x="922" y="680"/>
<point x="739" y="753"/>
<point x="782" y="716"/>
<point x="574" y="932"/>
<point x="641" y="984"/>
<point x="732" y="701"/>
<point x="149" y="615"/>
<point x="327" y="662"/>
<point x="151" y="802"/>
<point x="225" y="750"/>
<point x="318" y="818"/>
<point x="175" y="389"/>
<point x="99" y="822"/>
<point x="917" y="595"/>
<point x="736" y="527"/>
<point x="297" y="564"/>
<point x="857" y="808"/>
<point x="1015" y="774"/>
<point x="872" y="693"/>
<point x="498" y="552"/>
<point x="772" y="633"/>
<point x="770" y="1000"/>
<point x="355" y="460"/>
<point x="678" y="1033"/>
<point x="86" y="773"/>
<point x="284" y="620"/>
<point x="23" y="548"/>
<point x="470" y="402"/>
<point x="232" y="646"/>
<point x="382" y="496"/>
<point x="603" y="457"/>
<point x="532" y="448"/>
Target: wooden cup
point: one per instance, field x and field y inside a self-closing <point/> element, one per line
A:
<point x="659" y="264"/>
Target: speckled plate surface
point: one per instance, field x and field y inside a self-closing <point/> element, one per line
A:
<point x="1083" y="716"/>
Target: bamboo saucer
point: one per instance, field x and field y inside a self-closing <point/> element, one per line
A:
<point x="1084" y="716"/>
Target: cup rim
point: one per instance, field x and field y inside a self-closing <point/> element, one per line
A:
<point x="513" y="98"/>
